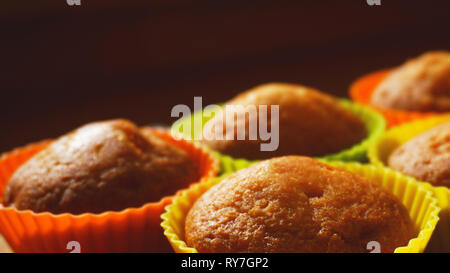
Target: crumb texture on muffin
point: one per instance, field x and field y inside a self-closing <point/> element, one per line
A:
<point x="421" y="84"/>
<point x="425" y="157"/>
<point x="296" y="204"/>
<point x="310" y="123"/>
<point x="99" y="167"/>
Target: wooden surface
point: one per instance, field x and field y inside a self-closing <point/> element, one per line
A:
<point x="63" y="66"/>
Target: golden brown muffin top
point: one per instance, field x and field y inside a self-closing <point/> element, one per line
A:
<point x="102" y="166"/>
<point x="420" y="84"/>
<point x="296" y="204"/>
<point x="310" y="123"/>
<point x="425" y="157"/>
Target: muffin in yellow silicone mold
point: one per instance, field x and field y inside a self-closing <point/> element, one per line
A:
<point x="345" y="216"/>
<point x="432" y="144"/>
<point x="418" y="200"/>
<point x="425" y="157"/>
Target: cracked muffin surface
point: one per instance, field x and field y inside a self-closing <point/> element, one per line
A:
<point x="310" y="123"/>
<point x="421" y="84"/>
<point x="102" y="166"/>
<point x="296" y="204"/>
<point x="425" y="157"/>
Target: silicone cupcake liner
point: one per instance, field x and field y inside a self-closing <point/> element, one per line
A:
<point x="440" y="241"/>
<point x="419" y="201"/>
<point x="129" y="230"/>
<point x="361" y="91"/>
<point x="379" y="153"/>
<point x="375" y="125"/>
<point x="374" y="122"/>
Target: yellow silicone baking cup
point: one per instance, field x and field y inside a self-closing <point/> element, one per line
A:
<point x="374" y="122"/>
<point x="379" y="153"/>
<point x="416" y="197"/>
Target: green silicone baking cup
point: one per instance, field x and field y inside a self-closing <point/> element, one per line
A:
<point x="374" y="122"/>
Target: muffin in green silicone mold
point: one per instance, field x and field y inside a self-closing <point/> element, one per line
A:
<point x="278" y="119"/>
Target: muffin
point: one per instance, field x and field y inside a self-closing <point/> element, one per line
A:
<point x="425" y="157"/>
<point x="296" y="204"/>
<point x="310" y="123"/>
<point x="421" y="84"/>
<point x="102" y="166"/>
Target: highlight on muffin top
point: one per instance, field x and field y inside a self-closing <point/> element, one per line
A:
<point x="296" y="204"/>
<point x="101" y="166"/>
<point x="310" y="123"/>
<point x="425" y="157"/>
<point x="420" y="84"/>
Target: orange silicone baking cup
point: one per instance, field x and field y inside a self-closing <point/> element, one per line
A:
<point x="361" y="91"/>
<point x="129" y="230"/>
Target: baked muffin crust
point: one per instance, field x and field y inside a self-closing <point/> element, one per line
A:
<point x="102" y="166"/>
<point x="310" y="123"/>
<point x="421" y="84"/>
<point x="296" y="204"/>
<point x="425" y="157"/>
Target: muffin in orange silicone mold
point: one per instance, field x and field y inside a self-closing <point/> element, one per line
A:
<point x="103" y="185"/>
<point x="416" y="89"/>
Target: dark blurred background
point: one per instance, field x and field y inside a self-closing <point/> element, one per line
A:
<point x="62" y="66"/>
